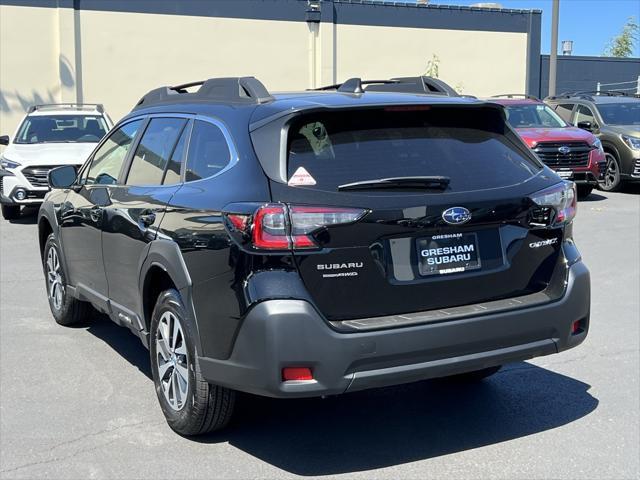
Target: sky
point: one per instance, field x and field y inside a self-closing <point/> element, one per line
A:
<point x="591" y="24"/>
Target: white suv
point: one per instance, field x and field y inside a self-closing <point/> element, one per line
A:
<point x="48" y="137"/>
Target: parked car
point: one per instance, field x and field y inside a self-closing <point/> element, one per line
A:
<point x="314" y="243"/>
<point x="614" y="117"/>
<point x="49" y="136"/>
<point x="573" y="153"/>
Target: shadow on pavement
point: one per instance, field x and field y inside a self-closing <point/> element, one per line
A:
<point x="125" y="343"/>
<point x="593" y="197"/>
<point x="633" y="188"/>
<point x="380" y="428"/>
<point x="28" y="216"/>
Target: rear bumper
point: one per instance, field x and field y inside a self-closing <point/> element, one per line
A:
<point x="280" y="333"/>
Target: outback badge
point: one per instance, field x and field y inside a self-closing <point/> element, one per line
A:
<point x="456" y="215"/>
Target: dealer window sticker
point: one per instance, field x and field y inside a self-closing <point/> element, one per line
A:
<point x="301" y="178"/>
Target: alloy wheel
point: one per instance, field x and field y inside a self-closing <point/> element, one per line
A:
<point x="611" y="175"/>
<point x="172" y="360"/>
<point x="54" y="279"/>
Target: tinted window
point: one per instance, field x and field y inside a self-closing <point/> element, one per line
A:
<point x="621" y="113"/>
<point x="62" y="128"/>
<point x="208" y="151"/>
<point x="533" y="115"/>
<point x="583" y="114"/>
<point x="177" y="158"/>
<point x="564" y="110"/>
<point x="153" y="152"/>
<point x="107" y="162"/>
<point x="469" y="146"/>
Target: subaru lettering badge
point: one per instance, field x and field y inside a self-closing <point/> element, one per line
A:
<point x="564" y="150"/>
<point x="456" y="215"/>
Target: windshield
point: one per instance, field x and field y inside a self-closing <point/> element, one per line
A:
<point x="620" y="113"/>
<point x="467" y="145"/>
<point x="62" y="129"/>
<point x="533" y="115"/>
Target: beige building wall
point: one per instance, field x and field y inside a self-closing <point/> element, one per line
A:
<point x="29" y="62"/>
<point x="114" y="58"/>
<point x="125" y="55"/>
<point x="477" y="63"/>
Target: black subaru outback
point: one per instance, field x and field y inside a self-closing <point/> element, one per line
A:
<point x="314" y="243"/>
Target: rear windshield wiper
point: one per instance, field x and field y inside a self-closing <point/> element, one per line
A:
<point x="407" y="183"/>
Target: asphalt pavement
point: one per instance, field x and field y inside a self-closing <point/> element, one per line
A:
<point x="79" y="402"/>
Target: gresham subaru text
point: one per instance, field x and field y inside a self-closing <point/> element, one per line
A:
<point x="314" y="243"/>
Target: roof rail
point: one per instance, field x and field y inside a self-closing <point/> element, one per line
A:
<point x="229" y="89"/>
<point x="589" y="94"/>
<point x="516" y="95"/>
<point x="420" y="85"/>
<point x="79" y="106"/>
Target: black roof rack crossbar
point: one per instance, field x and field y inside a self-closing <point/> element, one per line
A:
<point x="419" y="85"/>
<point x="183" y="88"/>
<point x="516" y="95"/>
<point x="229" y="89"/>
<point x="589" y="94"/>
<point x="44" y="106"/>
<point x="350" y="83"/>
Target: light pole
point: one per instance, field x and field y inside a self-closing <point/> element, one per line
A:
<point x="553" y="57"/>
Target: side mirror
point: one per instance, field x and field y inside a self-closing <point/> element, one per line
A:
<point x="4" y="140"/>
<point x="62" y="177"/>
<point x="588" y="126"/>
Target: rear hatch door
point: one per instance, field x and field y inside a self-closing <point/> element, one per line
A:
<point x="446" y="214"/>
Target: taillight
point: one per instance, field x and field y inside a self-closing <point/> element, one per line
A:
<point x="281" y="227"/>
<point x="555" y="205"/>
<point x="306" y="220"/>
<point x="269" y="229"/>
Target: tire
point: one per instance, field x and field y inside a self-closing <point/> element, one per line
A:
<point x="475" y="376"/>
<point x="612" y="182"/>
<point x="195" y="407"/>
<point x="584" y="191"/>
<point x="65" y="309"/>
<point x="10" y="212"/>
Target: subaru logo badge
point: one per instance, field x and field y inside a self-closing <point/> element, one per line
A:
<point x="564" y="150"/>
<point x="456" y="215"/>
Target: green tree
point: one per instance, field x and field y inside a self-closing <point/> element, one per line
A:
<point x="623" y="45"/>
<point x="432" y="67"/>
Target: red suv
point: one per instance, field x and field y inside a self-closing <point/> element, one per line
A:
<point x="573" y="153"/>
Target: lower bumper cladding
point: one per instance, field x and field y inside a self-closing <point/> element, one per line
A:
<point x="279" y="334"/>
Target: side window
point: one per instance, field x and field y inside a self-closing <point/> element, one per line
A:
<point x="107" y="162"/>
<point x="152" y="155"/>
<point x="564" y="110"/>
<point x="584" y="114"/>
<point x="208" y="151"/>
<point x="177" y="159"/>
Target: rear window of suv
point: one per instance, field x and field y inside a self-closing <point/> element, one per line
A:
<point x="471" y="146"/>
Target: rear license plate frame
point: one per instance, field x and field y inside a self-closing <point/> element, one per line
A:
<point x="454" y="244"/>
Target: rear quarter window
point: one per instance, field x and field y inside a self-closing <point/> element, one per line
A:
<point x="471" y="146"/>
<point x="209" y="152"/>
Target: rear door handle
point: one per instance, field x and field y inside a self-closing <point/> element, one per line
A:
<point x="147" y="219"/>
